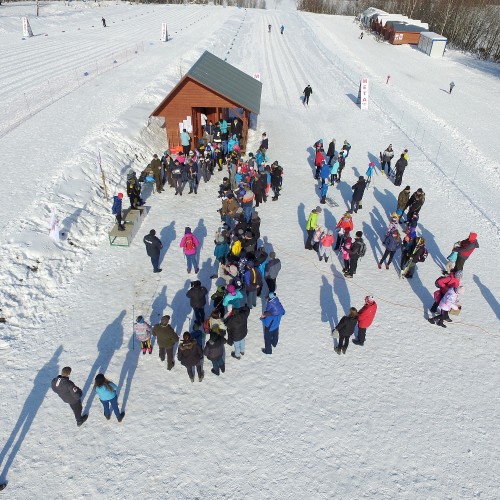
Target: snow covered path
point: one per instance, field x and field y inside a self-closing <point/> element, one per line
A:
<point x="412" y="413"/>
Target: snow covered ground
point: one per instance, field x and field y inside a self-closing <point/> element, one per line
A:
<point x="413" y="413"/>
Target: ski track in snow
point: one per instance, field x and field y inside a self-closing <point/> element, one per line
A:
<point x="409" y="414"/>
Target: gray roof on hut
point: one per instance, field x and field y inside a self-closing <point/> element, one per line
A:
<point x="405" y="28"/>
<point x="227" y="80"/>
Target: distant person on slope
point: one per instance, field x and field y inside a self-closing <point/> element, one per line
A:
<point x="103" y="22"/>
<point x="452" y="84"/>
<point x="269" y="28"/>
<point x="307" y="93"/>
<point x="282" y="29"/>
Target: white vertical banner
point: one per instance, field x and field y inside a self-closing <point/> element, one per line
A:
<point x="27" y="28"/>
<point x="364" y="89"/>
<point x="54" y="230"/>
<point x="164" y="33"/>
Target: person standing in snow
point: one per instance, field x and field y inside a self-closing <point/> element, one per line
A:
<point x="357" y="195"/>
<point x="366" y="316"/>
<point x="107" y="393"/>
<point x="392" y="242"/>
<point x="271" y="319"/>
<point x="385" y="159"/>
<point x="444" y="283"/>
<point x="156" y="167"/>
<point x="142" y="330"/>
<point x="269" y="28"/>
<point x="70" y="394"/>
<point x="134" y="190"/>
<point x="416" y="253"/>
<point x="214" y="351"/>
<point x="400" y="167"/>
<point x="311" y="225"/>
<point x="185" y="141"/>
<point x="191" y="356"/>
<point x="197" y="296"/>
<point x="331" y="151"/>
<point x="253" y="283"/>
<point x="307" y="93"/>
<point x="344" y="227"/>
<point x="415" y="203"/>
<point x="237" y="330"/>
<point x="403" y="199"/>
<point x="449" y="301"/>
<point x="153" y="249"/>
<point x="166" y="338"/>
<point x="104" y="24"/>
<point x="346" y="246"/>
<point x="452" y="85"/>
<point x="282" y="29"/>
<point x="116" y="210"/>
<point x="464" y="250"/>
<point x="345" y="329"/>
<point x="325" y="246"/>
<point x="357" y="250"/>
<point x="189" y="245"/>
<point x="271" y="271"/>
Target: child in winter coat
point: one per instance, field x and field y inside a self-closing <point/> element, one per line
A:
<point x="106" y="390"/>
<point x="142" y="331"/>
<point x="451" y="261"/>
<point x="449" y="301"/>
<point x="369" y="173"/>
<point x="444" y="283"/>
<point x="317" y="236"/>
<point x="345" y="329"/>
<point x="346" y="246"/>
<point x="344" y="227"/>
<point x="325" y="246"/>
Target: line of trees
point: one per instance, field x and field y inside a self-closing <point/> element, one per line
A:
<point x="470" y="25"/>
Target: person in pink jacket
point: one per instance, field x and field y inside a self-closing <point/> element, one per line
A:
<point x="345" y="253"/>
<point x="449" y="301"/>
<point x="142" y="330"/>
<point x="189" y="245"/>
<point x="325" y="246"/>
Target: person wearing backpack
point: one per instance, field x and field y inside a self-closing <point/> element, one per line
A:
<point x="444" y="283"/>
<point x="189" y="244"/>
<point x="253" y="281"/>
<point x="357" y="250"/>
<point x="417" y="253"/>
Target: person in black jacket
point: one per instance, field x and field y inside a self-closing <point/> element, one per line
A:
<point x="331" y="151"/>
<point x="345" y="329"/>
<point x="400" y="166"/>
<point x="197" y="295"/>
<point x="214" y="351"/>
<point x="355" y="252"/>
<point x="307" y="93"/>
<point x="237" y="330"/>
<point x="190" y="355"/>
<point x="357" y="195"/>
<point x="415" y="203"/>
<point x="153" y="248"/>
<point x="70" y="394"/>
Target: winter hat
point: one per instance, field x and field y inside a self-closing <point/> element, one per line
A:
<point x="186" y="336"/>
<point x="330" y="232"/>
<point x="472" y="237"/>
<point x="120" y="195"/>
<point x="191" y="153"/>
<point x="187" y="230"/>
<point x="361" y="178"/>
<point x="369" y="299"/>
<point x="359" y="234"/>
<point x="131" y="174"/>
<point x="196" y="284"/>
<point x="271" y="296"/>
<point x="459" y="274"/>
<point x="460" y="289"/>
<point x="231" y="289"/>
<point x="407" y="188"/>
<point x="348" y="239"/>
<point x="140" y="319"/>
<point x="164" y="320"/>
<point x="155" y="156"/>
<point x="221" y="239"/>
<point x="248" y="234"/>
<point x="272" y="255"/>
<point x="420" y="190"/>
<point x="318" y="209"/>
<point x="372" y="164"/>
<point x="152" y="232"/>
<point x="229" y="195"/>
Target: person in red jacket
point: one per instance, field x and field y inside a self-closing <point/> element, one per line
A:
<point x="444" y="283"/>
<point x="464" y="250"/>
<point x="365" y="318"/>
<point x="344" y="227"/>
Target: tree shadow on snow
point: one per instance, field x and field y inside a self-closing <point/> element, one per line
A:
<point x="180" y="308"/>
<point x="111" y="340"/>
<point x="128" y="369"/>
<point x="35" y="398"/>
<point x="488" y="296"/>
<point x="328" y="306"/>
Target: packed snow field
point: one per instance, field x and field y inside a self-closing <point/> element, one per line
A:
<point x="412" y="413"/>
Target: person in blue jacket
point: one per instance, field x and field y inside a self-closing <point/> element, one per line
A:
<point x="116" y="210"/>
<point x="391" y="242"/>
<point x="334" y="170"/>
<point x="324" y="173"/>
<point x="271" y="319"/>
<point x="106" y="390"/>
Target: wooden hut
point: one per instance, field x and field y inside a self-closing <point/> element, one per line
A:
<point x="215" y="89"/>
<point x="401" y="33"/>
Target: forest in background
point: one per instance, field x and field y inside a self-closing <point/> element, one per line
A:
<point x="470" y="25"/>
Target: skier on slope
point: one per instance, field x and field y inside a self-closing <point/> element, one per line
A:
<point x="325" y="246"/>
<point x="282" y="29"/>
<point x="307" y="93"/>
<point x="331" y="151"/>
<point x="415" y="203"/>
<point x="366" y="315"/>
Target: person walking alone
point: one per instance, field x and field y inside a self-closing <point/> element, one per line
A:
<point x="189" y="245"/>
<point x="452" y="85"/>
<point x="70" y="394"/>
<point x="307" y="93"/>
<point x="153" y="249"/>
